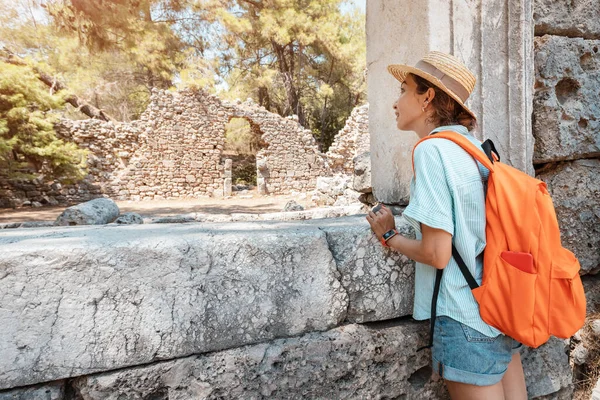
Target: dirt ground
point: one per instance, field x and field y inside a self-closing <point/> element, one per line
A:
<point x="258" y="204"/>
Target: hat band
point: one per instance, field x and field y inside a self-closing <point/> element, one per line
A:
<point x="450" y="83"/>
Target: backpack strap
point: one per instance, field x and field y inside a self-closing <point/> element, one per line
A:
<point x="436" y="291"/>
<point x="482" y="157"/>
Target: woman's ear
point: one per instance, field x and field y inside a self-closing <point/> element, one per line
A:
<point x="430" y="94"/>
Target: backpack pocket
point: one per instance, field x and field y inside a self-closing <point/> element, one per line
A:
<point x="507" y="298"/>
<point x="566" y="311"/>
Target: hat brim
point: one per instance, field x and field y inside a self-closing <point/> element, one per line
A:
<point x="399" y="72"/>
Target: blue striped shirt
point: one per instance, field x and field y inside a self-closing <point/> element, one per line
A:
<point x="448" y="194"/>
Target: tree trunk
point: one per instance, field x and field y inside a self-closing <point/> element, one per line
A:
<point x="286" y="71"/>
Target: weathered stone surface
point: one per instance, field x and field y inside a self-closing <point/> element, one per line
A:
<point x="335" y="191"/>
<point x="49" y="391"/>
<point x="362" y="173"/>
<point x="566" y="109"/>
<point x="36" y="224"/>
<point x="292" y="206"/>
<point x="115" y="296"/>
<point x="352" y="361"/>
<point x="379" y="282"/>
<point x="591" y="286"/>
<point x="567" y="18"/>
<point x="352" y="140"/>
<point x="596" y="391"/>
<point x="580" y="354"/>
<point x="94" y="212"/>
<point x="575" y="190"/>
<point x="547" y="370"/>
<point x="129" y="219"/>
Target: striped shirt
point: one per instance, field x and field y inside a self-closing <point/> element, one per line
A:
<point x="448" y="194"/>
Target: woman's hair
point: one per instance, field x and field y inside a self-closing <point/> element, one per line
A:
<point x="447" y="111"/>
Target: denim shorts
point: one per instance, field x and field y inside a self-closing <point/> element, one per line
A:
<point x="463" y="354"/>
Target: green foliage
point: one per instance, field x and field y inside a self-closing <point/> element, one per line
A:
<point x="244" y="171"/>
<point x="240" y="138"/>
<point x="28" y="143"/>
<point x="300" y="57"/>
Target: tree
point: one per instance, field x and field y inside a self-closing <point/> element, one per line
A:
<point x="28" y="142"/>
<point x="126" y="26"/>
<point x="302" y="57"/>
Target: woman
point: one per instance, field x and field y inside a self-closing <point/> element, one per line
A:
<point x="447" y="206"/>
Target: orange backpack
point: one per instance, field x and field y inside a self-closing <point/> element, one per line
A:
<point x="531" y="287"/>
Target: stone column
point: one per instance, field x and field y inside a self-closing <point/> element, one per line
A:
<point x="262" y="174"/>
<point x="228" y="177"/>
<point x="495" y="40"/>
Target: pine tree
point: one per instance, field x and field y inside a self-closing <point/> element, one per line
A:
<point x="28" y="143"/>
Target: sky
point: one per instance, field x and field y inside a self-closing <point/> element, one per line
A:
<point x="360" y="4"/>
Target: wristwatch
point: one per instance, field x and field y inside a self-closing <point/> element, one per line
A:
<point x="388" y="235"/>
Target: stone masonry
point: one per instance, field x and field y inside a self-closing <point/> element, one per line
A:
<point x="174" y="151"/>
<point x="566" y="123"/>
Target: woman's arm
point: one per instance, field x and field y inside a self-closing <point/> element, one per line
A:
<point x="435" y="248"/>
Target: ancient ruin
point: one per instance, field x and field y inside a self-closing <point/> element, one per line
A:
<point x="175" y="151"/>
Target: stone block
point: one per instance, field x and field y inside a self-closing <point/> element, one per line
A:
<point x="567" y="18"/>
<point x="117" y="296"/>
<point x="362" y="173"/>
<point x="353" y="361"/>
<point x="94" y="212"/>
<point x="566" y="113"/>
<point x="575" y="191"/>
<point x="547" y="369"/>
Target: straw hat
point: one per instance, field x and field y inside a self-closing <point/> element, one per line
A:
<point x="443" y="70"/>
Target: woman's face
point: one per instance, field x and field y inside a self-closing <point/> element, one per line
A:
<point x="408" y="107"/>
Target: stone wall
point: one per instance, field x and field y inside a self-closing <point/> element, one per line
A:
<point x="278" y="310"/>
<point x="566" y="120"/>
<point x="174" y="151"/>
<point x="350" y="142"/>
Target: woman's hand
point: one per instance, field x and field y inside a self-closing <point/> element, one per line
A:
<point x="381" y="221"/>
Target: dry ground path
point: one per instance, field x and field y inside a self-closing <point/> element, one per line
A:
<point x="258" y="204"/>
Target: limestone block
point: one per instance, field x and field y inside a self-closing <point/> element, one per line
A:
<point x="94" y="212"/>
<point x="378" y="281"/>
<point x="49" y="391"/>
<point x="116" y="296"/>
<point x="362" y="173"/>
<point x="292" y="206"/>
<point x="591" y="286"/>
<point x="575" y="191"/>
<point x="566" y="113"/>
<point x="547" y="369"/>
<point x="378" y="360"/>
<point x="567" y="18"/>
<point x="129" y="218"/>
<point x="596" y="391"/>
<point x="227" y="187"/>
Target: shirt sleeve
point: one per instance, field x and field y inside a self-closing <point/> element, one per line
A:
<point x="431" y="201"/>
